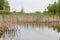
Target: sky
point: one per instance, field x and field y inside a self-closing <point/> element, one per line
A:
<point x="30" y="5"/>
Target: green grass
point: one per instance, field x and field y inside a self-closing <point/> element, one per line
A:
<point x="4" y="12"/>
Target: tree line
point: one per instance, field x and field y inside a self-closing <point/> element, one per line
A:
<point x="52" y="9"/>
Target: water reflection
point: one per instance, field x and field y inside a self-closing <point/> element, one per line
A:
<point x="8" y="35"/>
<point x="33" y="32"/>
<point x="1" y="34"/>
<point x="56" y="28"/>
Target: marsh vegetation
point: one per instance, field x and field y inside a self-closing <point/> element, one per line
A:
<point x="30" y="26"/>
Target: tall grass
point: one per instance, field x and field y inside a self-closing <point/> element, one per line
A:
<point x="4" y="12"/>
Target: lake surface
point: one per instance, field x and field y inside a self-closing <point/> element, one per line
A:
<point x="33" y="32"/>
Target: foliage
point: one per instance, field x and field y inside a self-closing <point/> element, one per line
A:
<point x="5" y="12"/>
<point x="4" y="5"/>
<point x="54" y="9"/>
<point x="22" y="11"/>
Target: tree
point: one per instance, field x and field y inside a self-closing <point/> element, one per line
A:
<point x="22" y="11"/>
<point x="4" y="5"/>
<point x="58" y="6"/>
<point x="52" y="8"/>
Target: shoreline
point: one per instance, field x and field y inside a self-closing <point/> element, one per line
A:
<point x="27" y="19"/>
<point x="12" y="20"/>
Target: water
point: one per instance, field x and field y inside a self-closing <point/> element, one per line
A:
<point x="33" y="32"/>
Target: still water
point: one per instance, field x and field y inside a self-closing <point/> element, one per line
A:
<point x="33" y="32"/>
